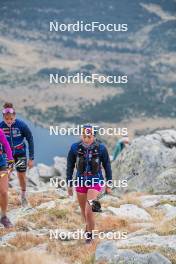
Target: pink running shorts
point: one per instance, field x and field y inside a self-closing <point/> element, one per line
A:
<point x="84" y="189"/>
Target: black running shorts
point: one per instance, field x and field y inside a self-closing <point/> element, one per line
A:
<point x="20" y="163"/>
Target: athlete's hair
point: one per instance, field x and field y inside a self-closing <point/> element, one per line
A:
<point x="8" y="105"/>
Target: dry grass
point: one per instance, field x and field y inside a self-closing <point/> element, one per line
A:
<point x="129" y="198"/>
<point x="14" y="201"/>
<point x="78" y="250"/>
<point x="39" y="198"/>
<point x="157" y="215"/>
<point x="26" y="241"/>
<point x="110" y="223"/>
<point x="22" y="225"/>
<point x="21" y="257"/>
<point x="60" y="216"/>
<point x="74" y="252"/>
<point x="162" y="202"/>
<point x="4" y="231"/>
<point x="67" y="217"/>
<point x="132" y="198"/>
<point x="35" y="199"/>
<point x="166" y="228"/>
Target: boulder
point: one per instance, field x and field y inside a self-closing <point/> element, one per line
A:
<point x="106" y="251"/>
<point x="33" y="177"/>
<point x="149" y="240"/>
<point x="132" y="212"/>
<point x="41" y="248"/>
<point x="45" y="172"/>
<point x="149" y="164"/>
<point x="168" y="210"/>
<point x="154" y="200"/>
<point x="60" y="164"/>
<point x="109" y="253"/>
<point x="47" y="205"/>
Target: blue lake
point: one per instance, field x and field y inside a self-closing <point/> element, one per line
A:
<point x="46" y="146"/>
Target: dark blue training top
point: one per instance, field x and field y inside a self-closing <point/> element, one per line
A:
<point x="104" y="160"/>
<point x="16" y="135"/>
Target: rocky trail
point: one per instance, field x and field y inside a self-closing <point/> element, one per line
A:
<point x="147" y="218"/>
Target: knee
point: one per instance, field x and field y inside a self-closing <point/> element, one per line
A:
<point x="3" y="192"/>
<point x="21" y="174"/>
<point x="88" y="212"/>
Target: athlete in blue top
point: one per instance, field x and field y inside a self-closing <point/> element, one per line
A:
<point x="17" y="132"/>
<point x="88" y="155"/>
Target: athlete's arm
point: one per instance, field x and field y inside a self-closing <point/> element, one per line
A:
<point x="6" y="145"/>
<point x="28" y="135"/>
<point x="106" y="164"/>
<point x="107" y="167"/>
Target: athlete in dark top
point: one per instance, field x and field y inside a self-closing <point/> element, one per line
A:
<point x="88" y="155"/>
<point x="17" y="132"/>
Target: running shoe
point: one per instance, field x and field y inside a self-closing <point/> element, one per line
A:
<point x="6" y="222"/>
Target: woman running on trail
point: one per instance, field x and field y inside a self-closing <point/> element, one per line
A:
<point x="4" y="178"/>
<point x="17" y="132"/>
<point x="88" y="155"/>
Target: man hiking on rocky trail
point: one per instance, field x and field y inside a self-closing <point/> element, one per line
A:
<point x="17" y="132"/>
<point x="4" y="178"/>
<point x="88" y="155"/>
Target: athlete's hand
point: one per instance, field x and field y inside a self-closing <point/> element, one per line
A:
<point x="30" y="164"/>
<point x="11" y="164"/>
<point x="108" y="190"/>
<point x="70" y="191"/>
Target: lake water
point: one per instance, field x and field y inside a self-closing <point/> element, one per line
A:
<point x="46" y="146"/>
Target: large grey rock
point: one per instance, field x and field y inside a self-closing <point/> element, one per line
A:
<point x="16" y="214"/>
<point x="60" y="164"/>
<point x="131" y="211"/>
<point x="154" y="200"/>
<point x="166" y="181"/>
<point x="142" y="226"/>
<point x="168" y="210"/>
<point x="47" y="205"/>
<point x="14" y="183"/>
<point x="149" y="240"/>
<point x="107" y="251"/>
<point x="33" y="177"/>
<point x="13" y="175"/>
<point x="45" y="172"/>
<point x="62" y="193"/>
<point x="41" y="248"/>
<point x="149" y="163"/>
